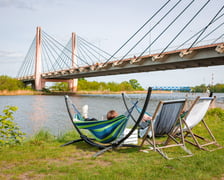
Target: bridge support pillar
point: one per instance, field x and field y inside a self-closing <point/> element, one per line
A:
<point x="38" y="83"/>
<point x="73" y="83"/>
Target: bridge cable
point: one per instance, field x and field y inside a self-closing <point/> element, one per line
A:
<point x="56" y="52"/>
<point x="184" y="27"/>
<point x="197" y="33"/>
<point x="31" y="65"/>
<point x="65" y="49"/>
<point x="22" y="67"/>
<point x="84" y="54"/>
<point x="85" y="49"/>
<point x="87" y="52"/>
<point x="211" y="32"/>
<point x="166" y="28"/>
<point x="27" y="60"/>
<point x="218" y="38"/>
<point x="88" y="47"/>
<point x="206" y="28"/>
<point x="66" y="58"/>
<point x="68" y="47"/>
<point x="49" y="40"/>
<point x="90" y="44"/>
<point x="138" y="31"/>
<point x="150" y="30"/>
<point x="46" y="54"/>
<point x="67" y="54"/>
<point x="47" y="46"/>
<point x="46" y="57"/>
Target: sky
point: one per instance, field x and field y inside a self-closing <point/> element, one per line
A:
<point x="108" y="24"/>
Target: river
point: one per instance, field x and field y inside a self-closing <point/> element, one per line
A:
<point x="49" y="112"/>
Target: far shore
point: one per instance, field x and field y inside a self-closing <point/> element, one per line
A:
<point x="30" y="92"/>
<point x="19" y="92"/>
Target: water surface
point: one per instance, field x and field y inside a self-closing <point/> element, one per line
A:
<point x="49" y="112"/>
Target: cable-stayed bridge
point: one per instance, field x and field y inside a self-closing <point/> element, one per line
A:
<point x="48" y="60"/>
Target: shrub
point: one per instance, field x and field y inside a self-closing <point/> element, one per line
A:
<point x="9" y="131"/>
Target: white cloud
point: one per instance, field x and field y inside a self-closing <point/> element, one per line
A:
<point x="17" y="4"/>
<point x="28" y="4"/>
<point x="10" y="54"/>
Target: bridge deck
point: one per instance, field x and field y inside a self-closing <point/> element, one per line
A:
<point x="202" y="56"/>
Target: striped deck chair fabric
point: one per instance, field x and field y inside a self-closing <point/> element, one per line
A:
<point x="164" y="122"/>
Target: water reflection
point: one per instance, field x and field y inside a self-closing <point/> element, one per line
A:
<point x="38" y="113"/>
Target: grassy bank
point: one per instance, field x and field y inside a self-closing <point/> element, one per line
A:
<point x="41" y="158"/>
<point x="119" y="92"/>
<point x="32" y="92"/>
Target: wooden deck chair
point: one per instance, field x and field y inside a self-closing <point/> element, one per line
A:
<point x="164" y="123"/>
<point x="194" y="117"/>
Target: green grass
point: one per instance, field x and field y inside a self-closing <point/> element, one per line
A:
<point x="41" y="157"/>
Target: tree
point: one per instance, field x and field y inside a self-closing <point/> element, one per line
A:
<point x="10" y="84"/>
<point x="134" y="83"/>
<point x="60" y="86"/>
<point x="218" y="88"/>
<point x="84" y="85"/>
<point x="126" y="86"/>
<point x="201" y="88"/>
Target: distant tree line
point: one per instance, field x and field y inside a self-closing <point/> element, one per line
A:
<point x="131" y="85"/>
<point x="218" y="88"/>
<point x="84" y="85"/>
<point x="10" y="84"/>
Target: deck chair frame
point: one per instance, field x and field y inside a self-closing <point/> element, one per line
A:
<point x="111" y="146"/>
<point x="169" y="132"/>
<point x="191" y="137"/>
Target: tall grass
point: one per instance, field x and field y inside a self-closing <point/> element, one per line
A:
<point x="41" y="137"/>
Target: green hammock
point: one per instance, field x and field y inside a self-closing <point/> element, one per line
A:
<point x="104" y="131"/>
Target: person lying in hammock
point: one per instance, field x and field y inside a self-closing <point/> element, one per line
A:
<point x="110" y="115"/>
<point x="144" y="123"/>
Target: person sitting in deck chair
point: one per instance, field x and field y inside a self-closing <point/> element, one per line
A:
<point x="144" y="124"/>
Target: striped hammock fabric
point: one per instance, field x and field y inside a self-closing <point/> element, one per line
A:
<point x="104" y="131"/>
